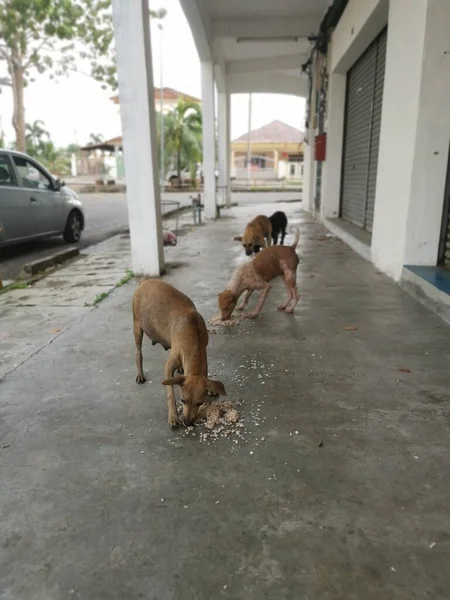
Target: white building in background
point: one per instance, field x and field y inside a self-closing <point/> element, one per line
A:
<point x="376" y="76"/>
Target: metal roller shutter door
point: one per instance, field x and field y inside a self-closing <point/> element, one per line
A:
<point x="365" y="82"/>
<point x="446" y="254"/>
<point x="376" y="127"/>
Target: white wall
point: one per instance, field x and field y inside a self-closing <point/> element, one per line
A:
<point x="415" y="131"/>
<point x="360" y="23"/>
<point x="432" y="141"/>
<point x="331" y="184"/>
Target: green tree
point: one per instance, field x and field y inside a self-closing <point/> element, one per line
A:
<point x="49" y="35"/>
<point x="72" y="149"/>
<point x="53" y="159"/>
<point x="34" y="136"/>
<point x="183" y="135"/>
<point x="96" y="138"/>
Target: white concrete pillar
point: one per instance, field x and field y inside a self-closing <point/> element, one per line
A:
<point x="223" y="106"/>
<point x="73" y="165"/>
<point x="331" y="183"/>
<point x="308" y="173"/>
<point x="209" y="140"/>
<point x="135" y="75"/>
<point x="414" y="139"/>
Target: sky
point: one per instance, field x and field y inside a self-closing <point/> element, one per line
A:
<point x="76" y="106"/>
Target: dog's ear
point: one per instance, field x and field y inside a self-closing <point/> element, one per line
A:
<point x="214" y="387"/>
<point x="178" y="380"/>
<point x="237" y="238"/>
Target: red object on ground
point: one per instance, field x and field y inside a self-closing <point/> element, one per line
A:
<point x="169" y="238"/>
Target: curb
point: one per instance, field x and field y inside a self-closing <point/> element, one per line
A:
<point x="41" y="264"/>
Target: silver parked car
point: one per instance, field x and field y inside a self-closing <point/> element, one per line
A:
<point x="34" y="204"/>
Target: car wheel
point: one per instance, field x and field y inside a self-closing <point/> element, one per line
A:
<point x="74" y="226"/>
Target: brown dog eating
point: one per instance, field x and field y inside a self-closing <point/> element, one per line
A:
<point x="257" y="235"/>
<point x="168" y="317"/>
<point x="271" y="262"/>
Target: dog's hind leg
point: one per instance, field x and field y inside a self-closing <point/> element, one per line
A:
<point x="138" y="335"/>
<point x="290" y="295"/>
<point x="290" y="280"/>
<point x="274" y="237"/>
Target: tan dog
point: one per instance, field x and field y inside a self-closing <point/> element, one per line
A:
<point x="168" y="317"/>
<point x="256" y="275"/>
<point x="257" y="235"/>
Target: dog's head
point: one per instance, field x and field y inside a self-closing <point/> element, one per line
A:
<point x="194" y="391"/>
<point x="227" y="303"/>
<point x="250" y="242"/>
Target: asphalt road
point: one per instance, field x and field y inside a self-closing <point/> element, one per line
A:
<point x="106" y="215"/>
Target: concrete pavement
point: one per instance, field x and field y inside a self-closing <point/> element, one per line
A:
<point x="338" y="490"/>
<point x="106" y="215"/>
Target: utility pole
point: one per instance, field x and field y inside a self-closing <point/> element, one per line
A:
<point x="249" y="141"/>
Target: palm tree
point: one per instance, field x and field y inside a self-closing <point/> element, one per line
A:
<point x="96" y="138"/>
<point x="54" y="159"/>
<point x="183" y="135"/>
<point x="34" y="136"/>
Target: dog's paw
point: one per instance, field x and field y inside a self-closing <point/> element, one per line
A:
<point x="174" y="421"/>
<point x="140" y="379"/>
<point x="281" y="307"/>
<point x="240" y="307"/>
<point x="251" y="315"/>
<point x="289" y="311"/>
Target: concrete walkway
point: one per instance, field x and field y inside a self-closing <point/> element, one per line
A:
<point x="338" y="488"/>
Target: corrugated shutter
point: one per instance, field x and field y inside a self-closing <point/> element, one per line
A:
<point x="376" y="127"/>
<point x="446" y="257"/>
<point x="365" y="82"/>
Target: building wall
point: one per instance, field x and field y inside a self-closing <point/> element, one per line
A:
<point x="415" y="126"/>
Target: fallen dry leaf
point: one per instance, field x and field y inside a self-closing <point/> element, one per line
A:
<point x="54" y="330"/>
<point x="350" y="328"/>
<point x="404" y="370"/>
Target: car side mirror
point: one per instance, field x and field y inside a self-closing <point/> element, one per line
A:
<point x="57" y="185"/>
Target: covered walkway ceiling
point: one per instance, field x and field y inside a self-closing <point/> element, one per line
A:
<point x="256" y="45"/>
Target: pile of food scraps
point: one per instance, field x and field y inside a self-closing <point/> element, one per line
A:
<point x="220" y="419"/>
<point x="235" y="320"/>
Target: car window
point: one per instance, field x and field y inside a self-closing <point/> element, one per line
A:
<point x="31" y="176"/>
<point x="6" y="173"/>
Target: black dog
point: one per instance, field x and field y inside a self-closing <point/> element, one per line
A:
<point x="279" y="223"/>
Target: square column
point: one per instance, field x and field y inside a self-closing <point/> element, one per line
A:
<point x="414" y="138"/>
<point x="135" y="75"/>
<point x="308" y="173"/>
<point x="332" y="167"/>
<point x="224" y="147"/>
<point x="209" y="140"/>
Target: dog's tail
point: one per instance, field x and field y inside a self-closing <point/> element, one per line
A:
<point x="297" y="236"/>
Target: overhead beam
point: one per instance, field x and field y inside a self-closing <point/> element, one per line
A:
<point x="220" y="67"/>
<point x="248" y="28"/>
<point x="269" y="63"/>
<point x="200" y="28"/>
<point x="267" y="83"/>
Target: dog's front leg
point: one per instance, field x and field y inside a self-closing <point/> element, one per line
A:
<point x="244" y="302"/>
<point x="169" y="370"/>
<point x="262" y="296"/>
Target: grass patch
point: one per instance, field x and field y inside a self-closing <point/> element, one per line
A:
<point x="99" y="298"/>
<point x="17" y="285"/>
<point x="126" y="278"/>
